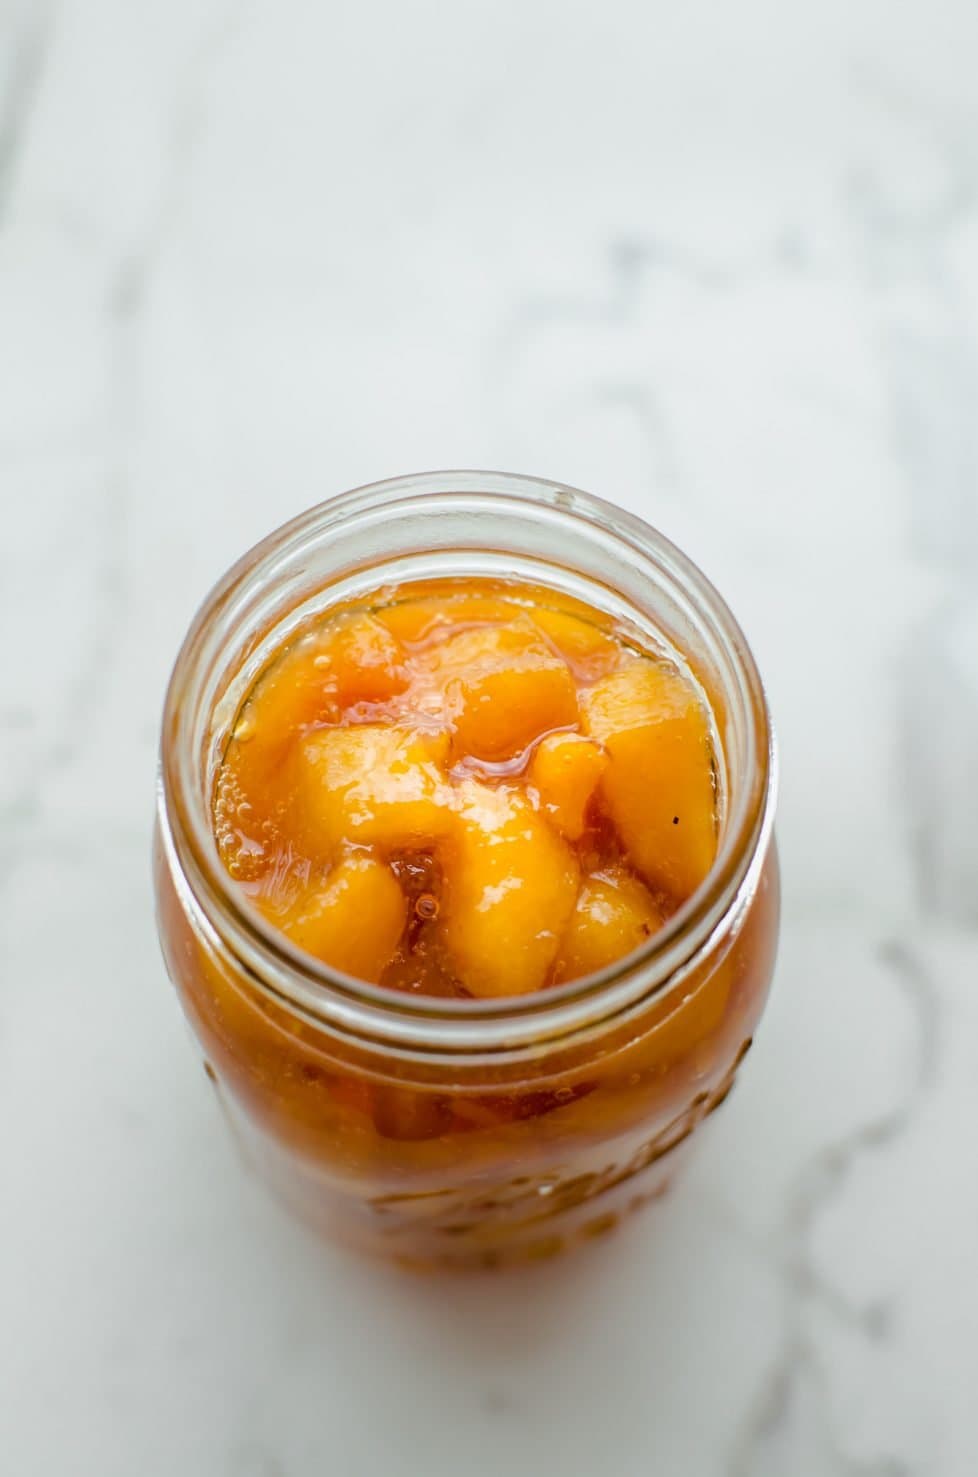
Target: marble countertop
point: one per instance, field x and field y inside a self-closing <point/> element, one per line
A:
<point x="717" y="263"/>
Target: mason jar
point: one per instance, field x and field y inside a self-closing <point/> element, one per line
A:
<point x="460" y="1132"/>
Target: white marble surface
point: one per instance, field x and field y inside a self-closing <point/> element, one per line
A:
<point x="717" y="262"/>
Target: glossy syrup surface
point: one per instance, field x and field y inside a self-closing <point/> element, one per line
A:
<point x="467" y="789"/>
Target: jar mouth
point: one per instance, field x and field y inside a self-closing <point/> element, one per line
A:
<point x="268" y="591"/>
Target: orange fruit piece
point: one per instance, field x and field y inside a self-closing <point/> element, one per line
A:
<point x="565" y="770"/>
<point x="292" y="694"/>
<point x="614" y="914"/>
<point x="502" y="686"/>
<point x="510" y="887"/>
<point x="589" y="651"/>
<point x="361" y="661"/>
<point x="353" y="923"/>
<point x="370" y="785"/>
<point x="414" y="621"/>
<point x="658" y="787"/>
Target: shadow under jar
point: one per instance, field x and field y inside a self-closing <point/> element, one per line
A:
<point x="465" y="1132"/>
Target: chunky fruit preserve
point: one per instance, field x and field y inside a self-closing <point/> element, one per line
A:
<point x="464" y="864"/>
<point x="468" y="792"/>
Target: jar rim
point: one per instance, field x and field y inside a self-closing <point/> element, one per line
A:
<point x="421" y="1027"/>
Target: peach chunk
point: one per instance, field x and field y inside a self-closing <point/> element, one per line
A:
<point x="415" y="621"/>
<point x="355" y="922"/>
<point x="658" y="787"/>
<point x="565" y="770"/>
<point x="503" y="686"/>
<point x="613" y="916"/>
<point x="292" y="695"/>
<point x="372" y="785"/>
<point x="362" y="662"/>
<point x="510" y="887"/>
<point x="589" y="651"/>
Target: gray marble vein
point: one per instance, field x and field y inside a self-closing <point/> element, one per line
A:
<point x="794" y="1393"/>
<point x="929" y="363"/>
<point x="27" y="42"/>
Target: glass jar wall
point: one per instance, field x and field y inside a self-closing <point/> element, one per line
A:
<point x="447" y="1131"/>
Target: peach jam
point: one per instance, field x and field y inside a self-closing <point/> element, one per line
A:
<point x="467" y="792"/>
<point x="464" y="863"/>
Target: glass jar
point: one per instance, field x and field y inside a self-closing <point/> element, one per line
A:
<point x="460" y="1132"/>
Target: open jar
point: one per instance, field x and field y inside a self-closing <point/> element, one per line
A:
<point x="461" y="1131"/>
